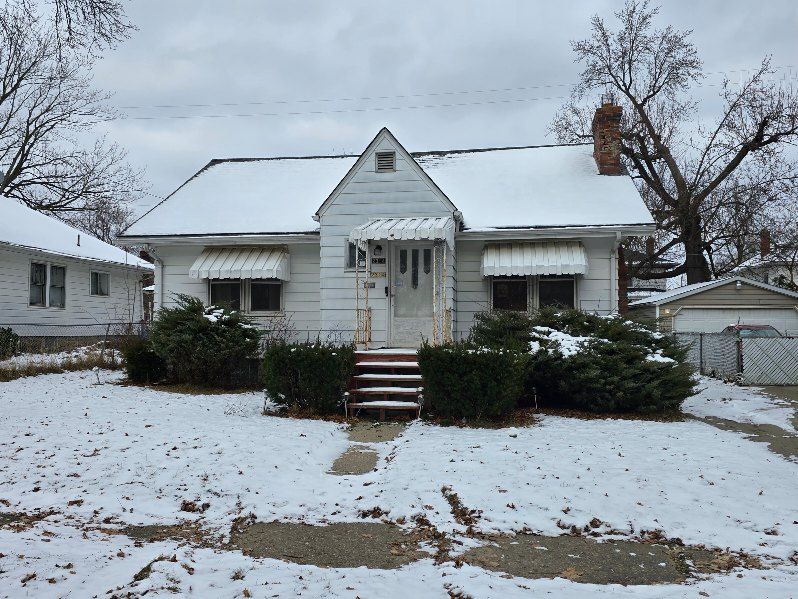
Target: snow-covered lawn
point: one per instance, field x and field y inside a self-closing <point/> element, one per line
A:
<point x="106" y="455"/>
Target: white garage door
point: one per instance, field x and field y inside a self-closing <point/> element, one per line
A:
<point x="714" y="320"/>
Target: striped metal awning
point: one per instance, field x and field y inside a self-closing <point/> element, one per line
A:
<point x="411" y="228"/>
<point x="266" y="262"/>
<point x="539" y="258"/>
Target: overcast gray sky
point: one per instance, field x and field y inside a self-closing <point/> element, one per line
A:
<point x="345" y="69"/>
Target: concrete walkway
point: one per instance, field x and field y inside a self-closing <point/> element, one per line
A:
<point x="361" y="457"/>
<point x="779" y="441"/>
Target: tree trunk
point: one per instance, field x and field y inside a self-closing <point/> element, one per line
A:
<point x="695" y="260"/>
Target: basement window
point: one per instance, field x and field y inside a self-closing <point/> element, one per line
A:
<point x="386" y="162"/>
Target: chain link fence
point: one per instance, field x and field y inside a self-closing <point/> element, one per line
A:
<point x="754" y="361"/>
<point x="713" y="354"/>
<point x="53" y="338"/>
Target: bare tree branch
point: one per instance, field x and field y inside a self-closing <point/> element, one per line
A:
<point x="709" y="189"/>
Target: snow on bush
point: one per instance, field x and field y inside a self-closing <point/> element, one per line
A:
<point x="203" y="345"/>
<point x="591" y="362"/>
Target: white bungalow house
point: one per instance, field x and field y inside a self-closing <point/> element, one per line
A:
<point x="56" y="281"/>
<point x="390" y="247"/>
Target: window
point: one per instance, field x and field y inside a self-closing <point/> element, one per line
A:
<point x="57" y="294"/>
<point x="351" y="251"/>
<point x="386" y="162"/>
<point x="556" y="292"/>
<point x="265" y="296"/>
<point x="226" y="294"/>
<point x="38" y="284"/>
<point x="510" y="294"/>
<point x="100" y="283"/>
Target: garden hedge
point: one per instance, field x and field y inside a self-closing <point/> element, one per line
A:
<point x="308" y="376"/>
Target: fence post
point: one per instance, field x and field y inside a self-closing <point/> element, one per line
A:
<point x="701" y="353"/>
<point x="739" y="356"/>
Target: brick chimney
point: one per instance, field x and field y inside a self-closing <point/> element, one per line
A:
<point x="764" y="243"/>
<point x="607" y="137"/>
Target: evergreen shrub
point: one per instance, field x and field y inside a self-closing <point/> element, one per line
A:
<point x="462" y="381"/>
<point x="142" y="364"/>
<point x="207" y="346"/>
<point x="9" y="343"/>
<point x="308" y="376"/>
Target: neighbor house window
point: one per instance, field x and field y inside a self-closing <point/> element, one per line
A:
<point x="556" y="291"/>
<point x="100" y="283"/>
<point x="226" y="294"/>
<point x="38" y="284"/>
<point x="510" y="294"/>
<point x="386" y="162"/>
<point x="353" y="252"/>
<point x="57" y="294"/>
<point x="264" y="296"/>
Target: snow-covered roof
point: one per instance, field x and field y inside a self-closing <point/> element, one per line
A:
<point x="270" y="195"/>
<point x="687" y="290"/>
<point x="544" y="186"/>
<point x="528" y="187"/>
<point x="23" y="227"/>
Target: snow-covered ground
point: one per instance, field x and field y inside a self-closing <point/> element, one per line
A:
<point x="132" y="455"/>
<point x="59" y="358"/>
<point x="741" y="404"/>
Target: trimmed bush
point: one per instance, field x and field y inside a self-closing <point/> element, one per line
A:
<point x="502" y="329"/>
<point x="9" y="343"/>
<point x="464" y="382"/>
<point x="605" y="364"/>
<point x="142" y="364"/>
<point x="308" y="376"/>
<point x="204" y="345"/>
<point x="589" y="362"/>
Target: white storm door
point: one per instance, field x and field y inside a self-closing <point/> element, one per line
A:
<point x="412" y="274"/>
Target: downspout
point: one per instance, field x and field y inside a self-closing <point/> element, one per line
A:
<point x="158" y="275"/>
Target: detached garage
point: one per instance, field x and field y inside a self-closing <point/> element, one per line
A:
<point x="712" y="306"/>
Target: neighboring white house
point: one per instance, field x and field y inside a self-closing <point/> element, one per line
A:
<point x="390" y="247"/>
<point x="57" y="281"/>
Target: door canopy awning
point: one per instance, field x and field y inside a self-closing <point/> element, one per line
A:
<point x="266" y="262"/>
<point x="410" y="229"/>
<point x="540" y="258"/>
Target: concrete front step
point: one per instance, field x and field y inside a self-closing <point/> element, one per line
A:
<point x="386" y="355"/>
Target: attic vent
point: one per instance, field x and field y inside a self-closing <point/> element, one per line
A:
<point x="386" y="162"/>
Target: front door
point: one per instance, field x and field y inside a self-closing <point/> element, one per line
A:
<point x="412" y="273"/>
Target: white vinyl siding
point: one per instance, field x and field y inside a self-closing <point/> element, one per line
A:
<point x="80" y="307"/>
<point x="366" y="195"/>
<point x="299" y="296"/>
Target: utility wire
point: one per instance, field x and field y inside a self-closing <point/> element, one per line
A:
<point x="403" y="96"/>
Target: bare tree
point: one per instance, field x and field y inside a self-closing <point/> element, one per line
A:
<point x="91" y="24"/>
<point x="47" y="107"/>
<point x="703" y="182"/>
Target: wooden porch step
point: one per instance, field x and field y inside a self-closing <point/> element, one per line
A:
<point x="386" y="355"/>
<point x="382" y="364"/>
<point x="388" y="377"/>
<point x="385" y="391"/>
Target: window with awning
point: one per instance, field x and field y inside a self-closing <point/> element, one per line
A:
<point x="534" y="259"/>
<point x="242" y="263"/>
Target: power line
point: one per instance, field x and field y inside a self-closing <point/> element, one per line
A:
<point x="400" y="96"/>
<point x="334" y="111"/>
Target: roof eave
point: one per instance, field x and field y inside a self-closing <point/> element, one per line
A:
<point x="32" y="248"/>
